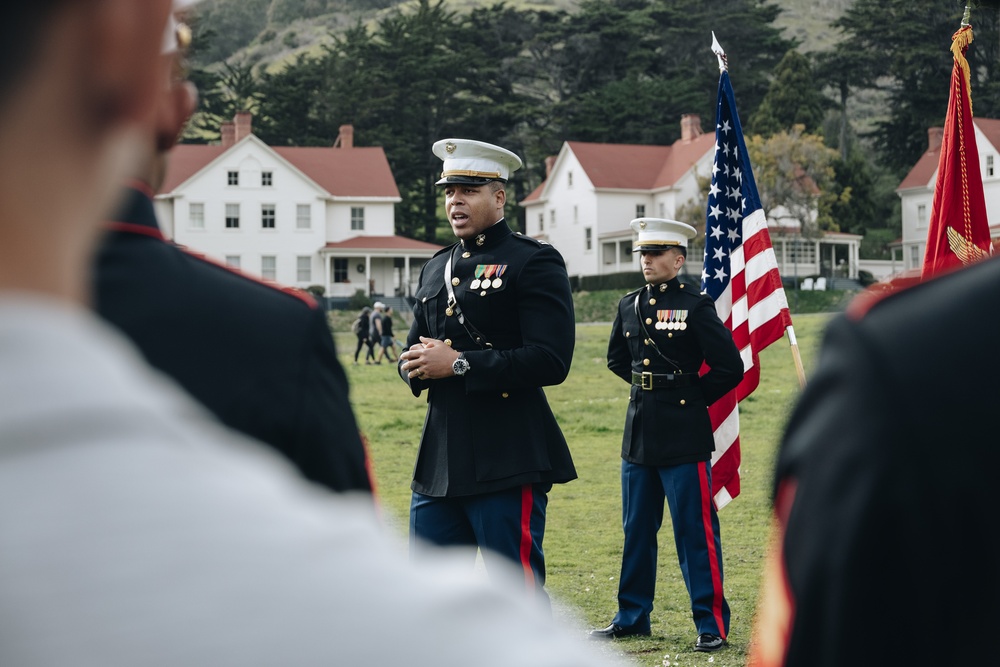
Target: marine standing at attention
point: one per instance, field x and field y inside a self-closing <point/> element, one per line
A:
<point x="662" y="336"/>
<point x="493" y="324"/>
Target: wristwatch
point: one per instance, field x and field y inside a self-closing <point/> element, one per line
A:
<point x="461" y="365"/>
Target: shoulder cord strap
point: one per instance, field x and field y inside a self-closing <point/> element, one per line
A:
<point x="652" y="342"/>
<point x="454" y="309"/>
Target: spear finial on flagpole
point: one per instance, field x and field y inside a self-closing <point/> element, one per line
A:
<point x="720" y="54"/>
<point x="966" y="16"/>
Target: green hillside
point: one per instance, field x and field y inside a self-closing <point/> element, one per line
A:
<point x="270" y="33"/>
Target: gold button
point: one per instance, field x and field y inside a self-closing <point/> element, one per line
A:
<point x="645" y="362"/>
<point x="505" y="394"/>
<point x="424" y="300"/>
<point x="670" y="335"/>
<point x="466" y="255"/>
<point x="483" y="293"/>
<point x="627" y="334"/>
<point x="455" y="281"/>
<point x="652" y="301"/>
<point x="682" y="401"/>
<point x="447" y="341"/>
<point x="649" y="320"/>
<point x="646" y="341"/>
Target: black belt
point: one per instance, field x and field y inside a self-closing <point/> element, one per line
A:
<point x="663" y="380"/>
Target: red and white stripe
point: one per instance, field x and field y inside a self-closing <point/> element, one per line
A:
<point x="753" y="306"/>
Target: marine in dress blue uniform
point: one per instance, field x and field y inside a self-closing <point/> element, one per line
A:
<point x="493" y="324"/>
<point x="662" y="336"/>
<point x="258" y="357"/>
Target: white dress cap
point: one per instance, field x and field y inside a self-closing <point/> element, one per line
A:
<point x="660" y="233"/>
<point x="474" y="162"/>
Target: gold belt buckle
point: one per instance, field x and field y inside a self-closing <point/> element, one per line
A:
<point x="647" y="380"/>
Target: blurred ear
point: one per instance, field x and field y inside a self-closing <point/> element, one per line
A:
<point x="126" y="68"/>
<point x="501" y="197"/>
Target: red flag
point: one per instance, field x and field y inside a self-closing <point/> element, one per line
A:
<point x="741" y="275"/>
<point x="959" y="231"/>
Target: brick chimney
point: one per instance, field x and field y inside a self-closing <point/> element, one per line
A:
<point x="935" y="135"/>
<point x="550" y="162"/>
<point x="228" y="132"/>
<point x="345" y="137"/>
<point x="690" y="126"/>
<point x="244" y="125"/>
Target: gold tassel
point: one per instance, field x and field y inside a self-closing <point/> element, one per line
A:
<point x="960" y="41"/>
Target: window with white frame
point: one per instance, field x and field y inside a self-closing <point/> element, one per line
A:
<point x="303" y="216"/>
<point x="233" y="261"/>
<point x="576" y="214"/>
<point x="989" y="165"/>
<point x="357" y="217"/>
<point x="233" y="177"/>
<point x="232" y="216"/>
<point x="640" y="210"/>
<point x="914" y="256"/>
<point x="588" y="239"/>
<point x="269" y="267"/>
<point x="196" y="215"/>
<point x="663" y="210"/>
<point x="267" y="216"/>
<point x="569" y="179"/>
<point x="303" y="268"/>
<point x="552" y="218"/>
<point x="541" y="222"/>
<point x="921" y="216"/>
<point x="267" y="178"/>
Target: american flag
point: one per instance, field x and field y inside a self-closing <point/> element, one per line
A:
<point x="741" y="275"/>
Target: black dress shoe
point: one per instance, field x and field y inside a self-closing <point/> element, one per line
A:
<point x="708" y="642"/>
<point x="615" y="631"/>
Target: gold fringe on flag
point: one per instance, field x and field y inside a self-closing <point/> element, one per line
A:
<point x="959" y="45"/>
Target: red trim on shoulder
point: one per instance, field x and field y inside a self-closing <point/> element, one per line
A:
<point x="299" y="294"/>
<point x="876" y="294"/>
<point x="141" y="186"/>
<point x="133" y="228"/>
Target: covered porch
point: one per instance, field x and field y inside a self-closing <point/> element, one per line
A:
<point x="383" y="265"/>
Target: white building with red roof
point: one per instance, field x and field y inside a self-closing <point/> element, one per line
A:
<point x="916" y="191"/>
<point x="592" y="191"/>
<point x="297" y="216"/>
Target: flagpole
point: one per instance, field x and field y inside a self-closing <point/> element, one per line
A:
<point x="789" y="330"/>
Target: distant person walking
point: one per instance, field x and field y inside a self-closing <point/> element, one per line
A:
<point x="387" y="342"/>
<point x="375" y="329"/>
<point x="361" y="330"/>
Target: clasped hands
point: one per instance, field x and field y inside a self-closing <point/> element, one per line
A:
<point x="430" y="359"/>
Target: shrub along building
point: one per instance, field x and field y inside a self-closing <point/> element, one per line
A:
<point x="592" y="191"/>
<point x="296" y="216"/>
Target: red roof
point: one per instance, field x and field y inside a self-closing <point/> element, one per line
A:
<point x="342" y="172"/>
<point x="383" y="243"/>
<point x="636" y="167"/>
<point x="920" y="175"/>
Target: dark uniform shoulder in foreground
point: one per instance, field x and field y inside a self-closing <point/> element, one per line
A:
<point x="260" y="358"/>
<point x="889" y="460"/>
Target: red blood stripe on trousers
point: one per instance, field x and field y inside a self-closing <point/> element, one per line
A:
<point x="527" y="503"/>
<point x="713" y="556"/>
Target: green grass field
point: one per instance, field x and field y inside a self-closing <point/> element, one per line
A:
<point x="583" y="535"/>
